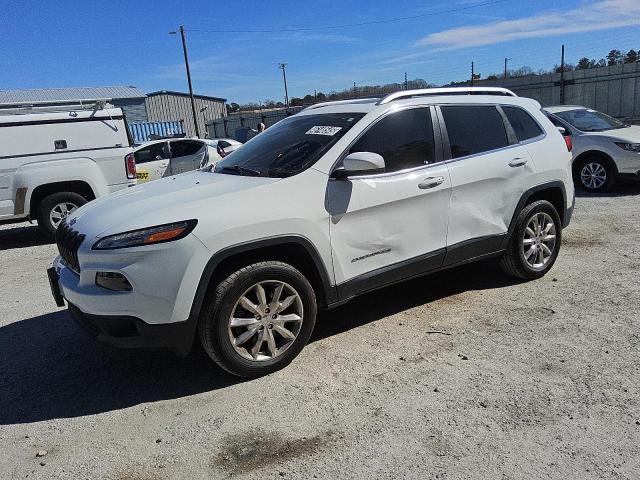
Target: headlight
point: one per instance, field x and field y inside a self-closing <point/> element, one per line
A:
<point x="632" y="147"/>
<point x="146" y="236"/>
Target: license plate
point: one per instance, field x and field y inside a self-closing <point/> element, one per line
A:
<point x="142" y="176"/>
<point x="55" y="287"/>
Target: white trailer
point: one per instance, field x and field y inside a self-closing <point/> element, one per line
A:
<point x="54" y="159"/>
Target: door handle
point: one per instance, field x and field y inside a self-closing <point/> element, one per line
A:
<point x="430" y="182"/>
<point x="164" y="164"/>
<point x="518" y="162"/>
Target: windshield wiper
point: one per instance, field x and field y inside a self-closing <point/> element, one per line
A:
<point x="241" y="170"/>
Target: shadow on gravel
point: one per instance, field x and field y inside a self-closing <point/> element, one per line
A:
<point x="49" y="368"/>
<point x="624" y="188"/>
<point x="403" y="296"/>
<point x="22" y="237"/>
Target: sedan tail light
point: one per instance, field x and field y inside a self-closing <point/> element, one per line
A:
<point x="567" y="140"/>
<point x="130" y="166"/>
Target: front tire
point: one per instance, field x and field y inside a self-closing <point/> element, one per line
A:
<point x="594" y="174"/>
<point x="535" y="242"/>
<point x="258" y="319"/>
<point x="54" y="208"/>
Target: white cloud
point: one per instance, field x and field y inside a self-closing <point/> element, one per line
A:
<point x="600" y="15"/>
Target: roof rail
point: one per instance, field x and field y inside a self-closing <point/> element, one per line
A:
<point x="342" y="102"/>
<point x="429" y="92"/>
<point x="60" y="105"/>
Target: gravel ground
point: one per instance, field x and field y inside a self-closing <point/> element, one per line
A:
<point x="465" y="374"/>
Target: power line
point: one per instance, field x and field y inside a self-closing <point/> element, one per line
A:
<point x="347" y="25"/>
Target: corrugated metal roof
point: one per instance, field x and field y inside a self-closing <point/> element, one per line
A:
<point x="181" y="94"/>
<point x="66" y="94"/>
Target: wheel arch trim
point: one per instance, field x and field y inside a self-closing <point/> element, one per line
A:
<point x="328" y="295"/>
<point x="596" y="153"/>
<point x="565" y="213"/>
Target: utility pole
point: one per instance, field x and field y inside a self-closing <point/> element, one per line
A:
<point x="282" y="67"/>
<point x="406" y="83"/>
<point x="186" y="64"/>
<point x="315" y="95"/>
<point x="506" y="72"/>
<point x="354" y="89"/>
<point x="562" y="77"/>
<point x="472" y="74"/>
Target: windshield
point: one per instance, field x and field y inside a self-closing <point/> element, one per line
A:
<point x="590" y="120"/>
<point x="290" y="146"/>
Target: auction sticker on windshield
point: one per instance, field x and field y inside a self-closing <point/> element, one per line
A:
<point x="323" y="130"/>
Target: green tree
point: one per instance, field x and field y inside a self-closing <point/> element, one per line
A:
<point x="295" y="102"/>
<point x="583" y="64"/>
<point x="631" y="56"/>
<point x="233" y="107"/>
<point x="614" y="57"/>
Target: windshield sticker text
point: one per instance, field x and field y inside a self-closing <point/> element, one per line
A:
<point x="323" y="130"/>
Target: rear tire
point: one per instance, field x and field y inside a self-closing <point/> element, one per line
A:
<point x="535" y="242"/>
<point x="594" y="174"/>
<point x="250" y="337"/>
<point x="56" y="207"/>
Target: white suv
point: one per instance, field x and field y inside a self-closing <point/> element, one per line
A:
<point x="340" y="199"/>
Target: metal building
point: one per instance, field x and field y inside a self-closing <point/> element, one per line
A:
<point x="130" y="99"/>
<point x="166" y="105"/>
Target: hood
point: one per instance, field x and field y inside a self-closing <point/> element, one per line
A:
<point x="629" y="134"/>
<point x="171" y="199"/>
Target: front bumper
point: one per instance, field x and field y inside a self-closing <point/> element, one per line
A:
<point x="164" y="279"/>
<point x="131" y="332"/>
<point x="627" y="163"/>
<point x="156" y="313"/>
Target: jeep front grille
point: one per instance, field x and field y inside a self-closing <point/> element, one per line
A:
<point x="68" y="243"/>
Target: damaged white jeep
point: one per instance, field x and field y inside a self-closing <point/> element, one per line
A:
<point x="340" y="199"/>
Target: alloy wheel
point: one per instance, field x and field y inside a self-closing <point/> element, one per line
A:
<point x="593" y="175"/>
<point x="539" y="240"/>
<point x="266" y="320"/>
<point x="61" y="211"/>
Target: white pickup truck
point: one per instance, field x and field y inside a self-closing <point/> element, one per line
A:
<point x="55" y="159"/>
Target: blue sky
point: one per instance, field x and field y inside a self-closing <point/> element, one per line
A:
<point x="90" y="43"/>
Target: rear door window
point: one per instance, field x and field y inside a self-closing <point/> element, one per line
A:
<point x="558" y="123"/>
<point x="474" y="129"/>
<point x="156" y="151"/>
<point x="522" y="123"/>
<point x="404" y="139"/>
<point x="183" y="148"/>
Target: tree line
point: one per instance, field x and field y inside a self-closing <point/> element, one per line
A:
<point x="355" y="91"/>
<point x="614" y="57"/>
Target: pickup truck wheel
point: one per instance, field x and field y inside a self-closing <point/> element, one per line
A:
<point x="258" y="319"/>
<point x="54" y="208"/>
<point x="535" y="242"/>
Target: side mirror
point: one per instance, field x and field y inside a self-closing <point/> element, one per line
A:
<point x="563" y="131"/>
<point x="359" y="163"/>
